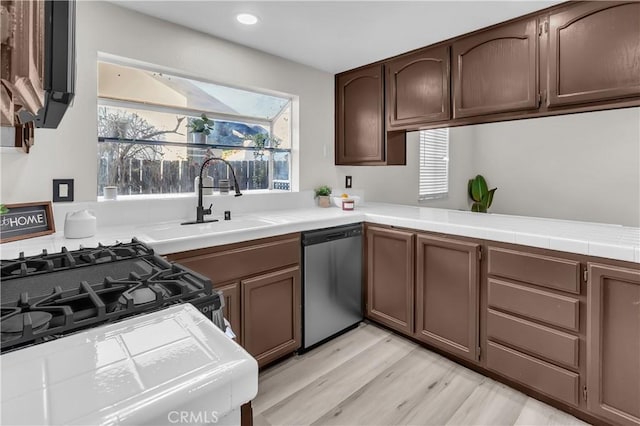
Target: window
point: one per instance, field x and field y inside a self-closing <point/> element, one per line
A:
<point x="434" y="164"/>
<point x="145" y="146"/>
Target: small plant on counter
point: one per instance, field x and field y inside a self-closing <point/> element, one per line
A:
<point x="480" y="193"/>
<point x="3" y="209"/>
<point x="322" y="194"/>
<point x="323" y="191"/>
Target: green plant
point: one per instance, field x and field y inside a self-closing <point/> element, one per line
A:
<point x="201" y="125"/>
<point x="480" y="193"/>
<point x="323" y="191"/>
<point x="3" y="209"/>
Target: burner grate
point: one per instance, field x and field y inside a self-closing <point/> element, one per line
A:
<point x="72" y="290"/>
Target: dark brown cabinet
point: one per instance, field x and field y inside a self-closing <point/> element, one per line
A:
<point x="359" y="114"/>
<point x="530" y="317"/>
<point x="533" y="322"/>
<point x="260" y="282"/>
<point x="613" y="336"/>
<point x="418" y="88"/>
<point x="496" y="70"/>
<point x="231" y="294"/>
<point x="447" y="291"/>
<point x="594" y="53"/>
<point x="390" y="267"/>
<point x="361" y="134"/>
<point x="271" y="306"/>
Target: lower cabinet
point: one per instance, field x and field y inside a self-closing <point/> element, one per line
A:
<point x="231" y="294"/>
<point x="425" y="286"/>
<point x="390" y="278"/>
<point x="533" y="326"/>
<point x="271" y="324"/>
<point x="447" y="304"/>
<point x="613" y="336"/>
<point x="260" y="283"/>
<point x="566" y="326"/>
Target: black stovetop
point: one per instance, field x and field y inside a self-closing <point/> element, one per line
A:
<point x="50" y="295"/>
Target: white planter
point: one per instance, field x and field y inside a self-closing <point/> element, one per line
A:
<point x="199" y="138"/>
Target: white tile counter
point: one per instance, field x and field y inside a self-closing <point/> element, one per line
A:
<point x="609" y="241"/>
<point x="145" y="370"/>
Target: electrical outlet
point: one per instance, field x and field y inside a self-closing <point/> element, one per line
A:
<point x="62" y="190"/>
<point x="347" y="181"/>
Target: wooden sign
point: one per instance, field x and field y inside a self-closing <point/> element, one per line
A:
<point x="26" y="220"/>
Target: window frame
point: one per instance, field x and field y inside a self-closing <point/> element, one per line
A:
<point x="107" y="101"/>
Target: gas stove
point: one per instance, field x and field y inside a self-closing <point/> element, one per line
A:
<point x="50" y="295"/>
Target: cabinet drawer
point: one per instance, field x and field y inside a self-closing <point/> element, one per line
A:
<point x="541" y="305"/>
<point x="539" y="375"/>
<point x="551" y="344"/>
<point x="244" y="260"/>
<point x="546" y="271"/>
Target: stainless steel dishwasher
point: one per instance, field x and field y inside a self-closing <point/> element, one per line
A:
<point x="332" y="282"/>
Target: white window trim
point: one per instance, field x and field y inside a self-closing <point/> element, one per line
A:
<point x="434" y="164"/>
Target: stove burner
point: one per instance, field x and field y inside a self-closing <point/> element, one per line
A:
<point x="15" y="324"/>
<point x="140" y="296"/>
<point x="22" y="268"/>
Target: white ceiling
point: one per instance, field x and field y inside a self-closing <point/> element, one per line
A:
<point x="335" y="36"/>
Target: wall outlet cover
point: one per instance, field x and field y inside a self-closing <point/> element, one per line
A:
<point x="348" y="181"/>
<point x="62" y="190"/>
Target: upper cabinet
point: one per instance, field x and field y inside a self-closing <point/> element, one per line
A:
<point x="361" y="135"/>
<point x="496" y="70"/>
<point x="573" y="57"/>
<point x="594" y="53"/>
<point x="360" y="112"/>
<point x="418" y="88"/>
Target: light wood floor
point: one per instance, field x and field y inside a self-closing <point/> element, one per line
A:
<point x="370" y="376"/>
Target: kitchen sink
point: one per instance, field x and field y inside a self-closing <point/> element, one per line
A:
<point x="175" y="231"/>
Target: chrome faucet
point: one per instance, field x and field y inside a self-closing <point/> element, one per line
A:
<point x="200" y="210"/>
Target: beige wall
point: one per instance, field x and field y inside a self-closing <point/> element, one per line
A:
<point x="399" y="184"/>
<point x="578" y="166"/>
<point x="70" y="151"/>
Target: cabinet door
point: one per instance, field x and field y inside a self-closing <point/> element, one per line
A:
<point x="613" y="343"/>
<point x="418" y="88"/>
<point x="447" y="282"/>
<point x="271" y="314"/>
<point x="390" y="278"/>
<point x="231" y="295"/>
<point x="594" y="52"/>
<point x="360" y="116"/>
<point x="496" y="70"/>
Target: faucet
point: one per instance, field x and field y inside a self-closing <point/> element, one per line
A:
<point x="200" y="210"/>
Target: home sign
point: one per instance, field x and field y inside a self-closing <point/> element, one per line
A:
<point x="26" y="220"/>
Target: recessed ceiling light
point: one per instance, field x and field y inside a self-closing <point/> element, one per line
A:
<point x="247" y="18"/>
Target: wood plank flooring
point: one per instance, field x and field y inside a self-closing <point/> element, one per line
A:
<point x="370" y="376"/>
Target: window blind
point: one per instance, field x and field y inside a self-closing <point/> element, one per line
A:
<point x="434" y="163"/>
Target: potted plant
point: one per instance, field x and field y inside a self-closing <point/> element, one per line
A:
<point x="322" y="194"/>
<point x="200" y="128"/>
<point x="480" y="194"/>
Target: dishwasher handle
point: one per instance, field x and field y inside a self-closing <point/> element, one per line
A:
<point x="331" y="234"/>
<point x="336" y="236"/>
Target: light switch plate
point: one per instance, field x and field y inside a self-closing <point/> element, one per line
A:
<point x="62" y="190"/>
<point x="347" y="181"/>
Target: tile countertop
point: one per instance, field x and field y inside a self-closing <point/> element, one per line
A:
<point x="595" y="239"/>
<point x="143" y="370"/>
